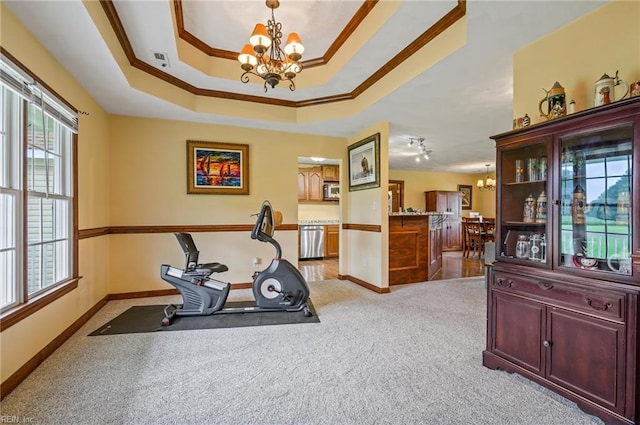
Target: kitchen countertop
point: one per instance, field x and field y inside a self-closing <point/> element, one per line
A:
<point x="419" y="213"/>
<point x="317" y="222"/>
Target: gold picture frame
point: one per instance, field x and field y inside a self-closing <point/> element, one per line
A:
<point x="467" y="193"/>
<point x="364" y="163"/>
<point x="215" y="168"/>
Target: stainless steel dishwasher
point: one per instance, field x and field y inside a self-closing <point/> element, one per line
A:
<point x="311" y="241"/>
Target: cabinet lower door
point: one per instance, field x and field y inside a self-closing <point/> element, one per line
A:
<point x="518" y="331"/>
<point x="587" y="356"/>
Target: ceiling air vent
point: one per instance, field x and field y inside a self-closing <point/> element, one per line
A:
<point x="161" y="59"/>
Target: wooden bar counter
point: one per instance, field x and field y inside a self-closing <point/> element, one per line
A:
<point x="415" y="246"/>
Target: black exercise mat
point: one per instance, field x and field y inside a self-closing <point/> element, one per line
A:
<point x="148" y="318"/>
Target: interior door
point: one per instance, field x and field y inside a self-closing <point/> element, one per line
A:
<point x="396" y="187"/>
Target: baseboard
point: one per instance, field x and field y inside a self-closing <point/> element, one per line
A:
<point x="364" y="284"/>
<point x="21" y="374"/>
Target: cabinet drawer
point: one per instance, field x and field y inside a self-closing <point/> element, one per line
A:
<point x="598" y="302"/>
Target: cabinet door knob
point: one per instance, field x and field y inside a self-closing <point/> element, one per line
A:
<point x="546" y="343"/>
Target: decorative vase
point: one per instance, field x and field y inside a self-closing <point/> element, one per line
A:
<point x="519" y="171"/>
<point x="556" y="104"/>
<point x="535" y="248"/>
<point x="541" y="208"/>
<point x="542" y="168"/>
<point x="604" y="89"/>
<point x="529" y="211"/>
<point x="532" y="169"/>
<point x="578" y="205"/>
<point x="522" y="247"/>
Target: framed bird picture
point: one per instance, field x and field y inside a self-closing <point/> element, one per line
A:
<point x="364" y="163"/>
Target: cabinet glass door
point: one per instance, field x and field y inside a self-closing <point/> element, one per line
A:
<point x="523" y="204"/>
<point x="595" y="201"/>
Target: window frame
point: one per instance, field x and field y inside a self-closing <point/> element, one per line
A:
<point x="26" y="306"/>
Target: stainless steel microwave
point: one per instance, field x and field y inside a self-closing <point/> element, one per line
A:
<point x="331" y="191"/>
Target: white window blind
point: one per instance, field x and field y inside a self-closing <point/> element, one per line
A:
<point x="21" y="83"/>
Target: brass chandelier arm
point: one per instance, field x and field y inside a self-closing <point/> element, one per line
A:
<point x="265" y="57"/>
<point x="245" y="79"/>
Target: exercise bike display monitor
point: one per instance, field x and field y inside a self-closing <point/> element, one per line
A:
<point x="279" y="287"/>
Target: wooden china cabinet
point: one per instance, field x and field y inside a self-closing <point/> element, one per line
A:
<point x="563" y="295"/>
<point x="449" y="202"/>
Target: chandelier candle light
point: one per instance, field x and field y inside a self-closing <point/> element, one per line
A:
<point x="489" y="183"/>
<point x="265" y="58"/>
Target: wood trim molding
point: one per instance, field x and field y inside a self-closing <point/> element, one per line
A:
<point x="113" y="230"/>
<point x="36" y="78"/>
<point x="344" y="35"/>
<point x="363" y="227"/>
<point x="92" y="233"/>
<point x="21" y="374"/>
<point x="364" y="284"/>
<point x="195" y="41"/>
<point x="438" y="28"/>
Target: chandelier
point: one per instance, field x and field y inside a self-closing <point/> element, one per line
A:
<point x="488" y="183"/>
<point x="426" y="154"/>
<point x="265" y="58"/>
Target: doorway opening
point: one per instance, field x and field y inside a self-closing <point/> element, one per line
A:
<point x="318" y="217"/>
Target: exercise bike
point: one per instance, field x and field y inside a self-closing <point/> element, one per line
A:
<point x="279" y="287"/>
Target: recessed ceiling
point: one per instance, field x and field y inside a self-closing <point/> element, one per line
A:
<point x="455" y="103"/>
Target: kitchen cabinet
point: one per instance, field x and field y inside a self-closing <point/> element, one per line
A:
<point x="331" y="241"/>
<point x="450" y="202"/>
<point x="310" y="184"/>
<point x="330" y="173"/>
<point x="562" y="299"/>
<point x="414" y="247"/>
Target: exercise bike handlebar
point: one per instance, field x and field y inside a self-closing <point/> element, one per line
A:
<point x="265" y="227"/>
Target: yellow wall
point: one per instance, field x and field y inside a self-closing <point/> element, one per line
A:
<point x="364" y="254"/>
<point x="22" y="341"/>
<point x="148" y="169"/>
<point x="132" y="171"/>
<point x="418" y="182"/>
<point x="577" y="55"/>
<point x="319" y="211"/>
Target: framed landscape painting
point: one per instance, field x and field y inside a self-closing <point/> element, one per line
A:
<point x="364" y="163"/>
<point x="466" y="196"/>
<point x="217" y="168"/>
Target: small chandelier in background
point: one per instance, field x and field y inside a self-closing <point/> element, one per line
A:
<point x="264" y="54"/>
<point x="426" y="154"/>
<point x="488" y="183"/>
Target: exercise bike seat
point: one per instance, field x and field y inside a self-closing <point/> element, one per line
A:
<point x="212" y="267"/>
<point x="191" y="253"/>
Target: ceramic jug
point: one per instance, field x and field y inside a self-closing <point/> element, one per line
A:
<point x="604" y="90"/>
<point x="556" y="103"/>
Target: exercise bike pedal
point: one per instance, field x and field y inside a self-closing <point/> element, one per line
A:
<point x="168" y="316"/>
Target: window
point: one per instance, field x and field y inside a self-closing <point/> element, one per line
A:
<point x="37" y="205"/>
<point x="596" y="190"/>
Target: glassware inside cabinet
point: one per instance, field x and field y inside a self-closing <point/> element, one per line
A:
<point x="595" y="201"/>
<point x="523" y="206"/>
